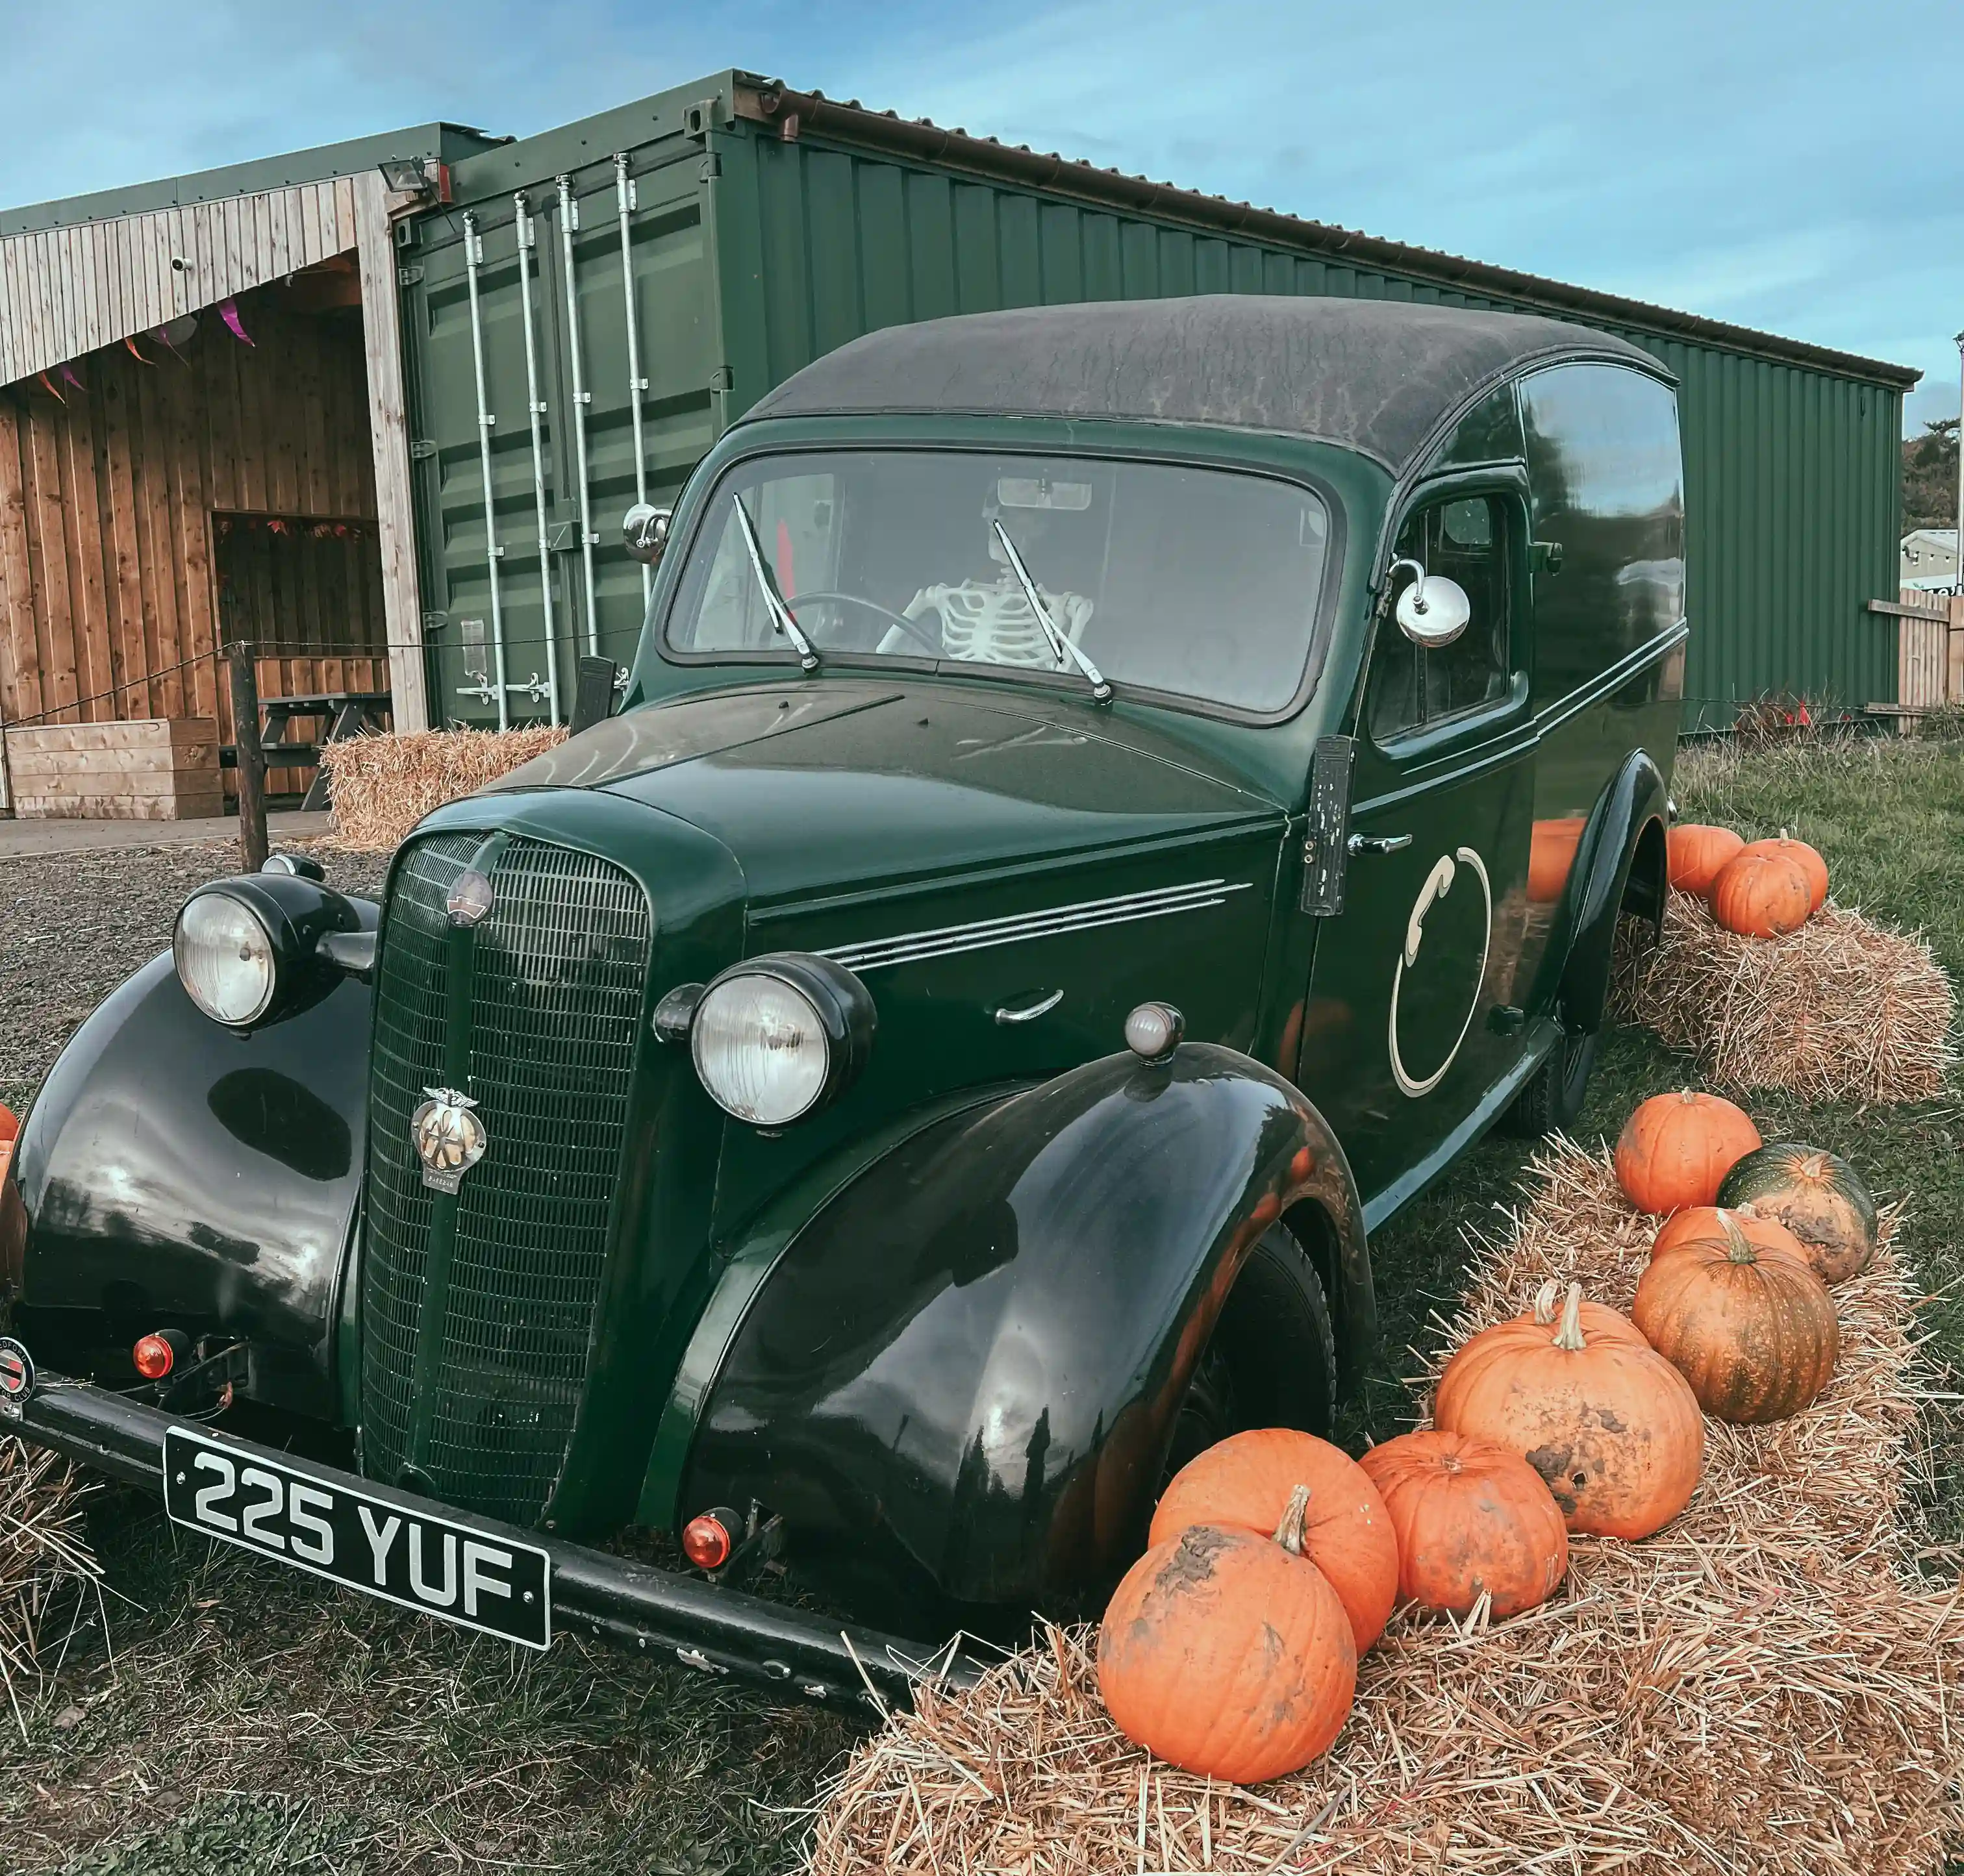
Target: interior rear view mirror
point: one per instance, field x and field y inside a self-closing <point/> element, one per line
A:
<point x="1039" y="491"/>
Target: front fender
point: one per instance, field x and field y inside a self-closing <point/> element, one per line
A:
<point x="174" y="1173"/>
<point x="1621" y="855"/>
<point x="959" y="1381"/>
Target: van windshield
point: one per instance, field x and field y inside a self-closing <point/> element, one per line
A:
<point x="1202" y="582"/>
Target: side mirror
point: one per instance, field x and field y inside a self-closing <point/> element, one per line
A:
<point x="644" y="531"/>
<point x="1432" y="610"/>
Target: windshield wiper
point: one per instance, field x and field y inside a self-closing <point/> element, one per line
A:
<point x="1063" y="649"/>
<point x="781" y="613"/>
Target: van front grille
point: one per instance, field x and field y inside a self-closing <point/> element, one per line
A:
<point x="557" y="972"/>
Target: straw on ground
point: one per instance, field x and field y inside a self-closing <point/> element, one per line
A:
<point x="383" y="785"/>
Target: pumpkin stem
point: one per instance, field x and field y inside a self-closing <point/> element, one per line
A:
<point x="1569" y="1335"/>
<point x="1784" y="834"/>
<point x="1738" y="1247"/>
<point x="1544" y="1302"/>
<point x="1288" y="1533"/>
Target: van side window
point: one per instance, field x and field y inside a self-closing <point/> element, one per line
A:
<point x="1466" y="540"/>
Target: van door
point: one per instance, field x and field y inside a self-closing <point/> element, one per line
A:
<point x="1413" y="1014"/>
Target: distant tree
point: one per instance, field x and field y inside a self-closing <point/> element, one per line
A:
<point x="1930" y="476"/>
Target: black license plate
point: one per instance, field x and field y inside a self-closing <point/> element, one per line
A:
<point x="415" y="1558"/>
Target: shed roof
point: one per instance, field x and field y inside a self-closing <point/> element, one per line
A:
<point x="445" y="142"/>
<point x="1372" y="375"/>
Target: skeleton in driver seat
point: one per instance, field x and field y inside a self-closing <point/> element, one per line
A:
<point x="991" y="622"/>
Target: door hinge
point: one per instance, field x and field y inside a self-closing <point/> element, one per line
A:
<point x="422" y="448"/>
<point x="435" y="621"/>
<point x="1326" y="828"/>
<point x="722" y="379"/>
<point x="410" y="276"/>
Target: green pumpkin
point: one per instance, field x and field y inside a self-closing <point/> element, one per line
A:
<point x="1818" y="1196"/>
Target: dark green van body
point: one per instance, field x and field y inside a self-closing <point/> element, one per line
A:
<point x="945" y="1327"/>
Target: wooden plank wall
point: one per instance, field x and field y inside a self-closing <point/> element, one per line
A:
<point x="108" y="571"/>
<point x="1929" y="650"/>
<point x="67" y="292"/>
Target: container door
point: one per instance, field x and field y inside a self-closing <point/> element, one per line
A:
<point x="548" y="580"/>
<point x="1411" y="1018"/>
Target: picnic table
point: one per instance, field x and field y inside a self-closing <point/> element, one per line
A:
<point x="345" y="713"/>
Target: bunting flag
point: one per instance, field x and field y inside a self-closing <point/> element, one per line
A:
<point x="68" y="373"/>
<point x="131" y="345"/>
<point x="48" y="385"/>
<point x="228" y="311"/>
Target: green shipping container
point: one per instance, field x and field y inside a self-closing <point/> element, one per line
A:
<point x="599" y="302"/>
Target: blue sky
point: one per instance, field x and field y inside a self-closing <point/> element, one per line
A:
<point x="1792" y="166"/>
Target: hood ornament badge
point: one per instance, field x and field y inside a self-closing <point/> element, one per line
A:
<point x="449" y="1137"/>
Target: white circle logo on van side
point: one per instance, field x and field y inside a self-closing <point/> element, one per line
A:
<point x="1438" y="884"/>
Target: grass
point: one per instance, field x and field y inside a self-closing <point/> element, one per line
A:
<point x="249" y="1722"/>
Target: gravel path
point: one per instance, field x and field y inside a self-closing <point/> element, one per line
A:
<point x="73" y="926"/>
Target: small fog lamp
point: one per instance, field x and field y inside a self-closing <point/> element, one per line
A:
<point x="705" y="1540"/>
<point x="157" y="1354"/>
<point x="1153" y="1030"/>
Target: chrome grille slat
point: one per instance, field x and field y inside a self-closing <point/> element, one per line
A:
<point x="558" y="975"/>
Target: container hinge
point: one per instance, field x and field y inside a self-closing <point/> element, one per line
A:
<point x="435" y="621"/>
<point x="422" y="448"/>
<point x="410" y="276"/>
<point x="712" y="167"/>
<point x="722" y="379"/>
<point x="1327" y="827"/>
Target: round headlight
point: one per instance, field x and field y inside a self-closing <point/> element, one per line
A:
<point x="760" y="1048"/>
<point x="224" y="957"/>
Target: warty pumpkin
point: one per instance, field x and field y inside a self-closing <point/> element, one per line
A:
<point x="1703" y="1221"/>
<point x="1472" y="1517"/>
<point x="1761" y="895"/>
<point x="1819" y="1198"/>
<point x="1749" y="1325"/>
<point x="1246" y="1480"/>
<point x="1693" y="854"/>
<point x="1813" y="867"/>
<point x="1551" y="848"/>
<point x="1675" y="1149"/>
<point x="1227" y="1653"/>
<point x="1610" y="1424"/>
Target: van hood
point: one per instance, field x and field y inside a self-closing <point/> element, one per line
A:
<point x="828" y="789"/>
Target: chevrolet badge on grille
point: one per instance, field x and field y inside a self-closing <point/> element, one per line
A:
<point x="448" y="1136"/>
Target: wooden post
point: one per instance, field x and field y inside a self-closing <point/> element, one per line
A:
<point x="252" y="758"/>
<point x="389" y="436"/>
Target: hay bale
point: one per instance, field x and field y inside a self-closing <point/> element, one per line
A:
<point x="1760" y="1688"/>
<point x="382" y="785"/>
<point x="1843" y="1009"/>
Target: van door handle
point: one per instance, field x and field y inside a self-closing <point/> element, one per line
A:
<point x="1031" y="1012"/>
<point x="1378" y="843"/>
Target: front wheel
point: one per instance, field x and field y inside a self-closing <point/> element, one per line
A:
<point x="1551" y="1103"/>
<point x="1272" y="1358"/>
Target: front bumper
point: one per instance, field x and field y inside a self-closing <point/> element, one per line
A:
<point x="713" y="1629"/>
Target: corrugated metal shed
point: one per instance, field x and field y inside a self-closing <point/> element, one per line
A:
<point x="769" y="225"/>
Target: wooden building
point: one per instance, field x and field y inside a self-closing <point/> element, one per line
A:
<point x="202" y="439"/>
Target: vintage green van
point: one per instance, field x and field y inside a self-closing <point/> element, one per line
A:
<point x="1111" y="800"/>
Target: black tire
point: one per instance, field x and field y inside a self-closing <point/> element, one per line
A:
<point x="1272" y="1358"/>
<point x="1552" y="1103"/>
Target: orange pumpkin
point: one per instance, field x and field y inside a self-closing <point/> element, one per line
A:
<point x="1693" y="855"/>
<point x="1552" y="846"/>
<point x="1675" y="1149"/>
<point x="1761" y="895"/>
<point x="1612" y="1426"/>
<point x="1227" y="1653"/>
<point x="10" y="1131"/>
<point x="1245" y="1481"/>
<point x="1749" y="1325"/>
<point x="1472" y="1517"/>
<point x="1803" y="856"/>
<point x="1705" y="1221"/>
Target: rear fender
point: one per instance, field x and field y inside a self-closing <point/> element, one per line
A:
<point x="1620" y="867"/>
<point x="958" y="1381"/>
<point x="174" y="1173"/>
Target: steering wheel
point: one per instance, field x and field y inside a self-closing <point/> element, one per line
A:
<point x="912" y="627"/>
